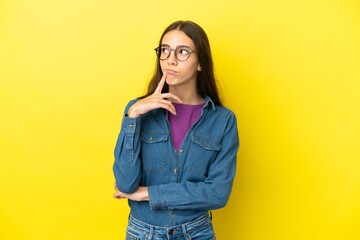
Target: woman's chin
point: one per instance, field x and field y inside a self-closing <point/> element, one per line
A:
<point x="171" y="81"/>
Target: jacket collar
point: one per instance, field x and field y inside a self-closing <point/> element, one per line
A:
<point x="209" y="103"/>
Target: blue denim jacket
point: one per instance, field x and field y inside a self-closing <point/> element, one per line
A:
<point x="183" y="184"/>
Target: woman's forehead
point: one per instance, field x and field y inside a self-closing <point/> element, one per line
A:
<point x="176" y="38"/>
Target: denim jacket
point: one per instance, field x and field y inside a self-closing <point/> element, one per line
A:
<point x="183" y="184"/>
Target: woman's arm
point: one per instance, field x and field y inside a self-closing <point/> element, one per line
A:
<point x="127" y="165"/>
<point x="141" y="194"/>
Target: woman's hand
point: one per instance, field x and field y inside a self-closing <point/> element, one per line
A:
<point x="155" y="100"/>
<point x="141" y="194"/>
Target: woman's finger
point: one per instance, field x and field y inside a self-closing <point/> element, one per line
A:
<point x="161" y="83"/>
<point x="171" y="96"/>
<point x="118" y="197"/>
<point x="166" y="104"/>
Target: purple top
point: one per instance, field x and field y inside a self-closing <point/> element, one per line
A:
<point x="186" y="116"/>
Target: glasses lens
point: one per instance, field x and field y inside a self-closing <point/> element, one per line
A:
<point x="164" y="53"/>
<point x="182" y="53"/>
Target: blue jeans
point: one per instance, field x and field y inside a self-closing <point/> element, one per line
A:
<point x="199" y="229"/>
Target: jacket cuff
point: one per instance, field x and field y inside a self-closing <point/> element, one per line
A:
<point x="130" y="125"/>
<point x="157" y="199"/>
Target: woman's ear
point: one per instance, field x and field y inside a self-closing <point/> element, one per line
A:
<point x="199" y="67"/>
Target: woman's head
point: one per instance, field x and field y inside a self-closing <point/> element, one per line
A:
<point x="205" y="79"/>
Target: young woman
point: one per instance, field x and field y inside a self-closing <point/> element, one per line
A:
<point x="175" y="157"/>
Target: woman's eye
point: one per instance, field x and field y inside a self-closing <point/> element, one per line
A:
<point x="183" y="51"/>
<point x="164" y="50"/>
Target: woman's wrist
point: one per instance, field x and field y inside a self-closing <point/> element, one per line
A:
<point x="145" y="194"/>
<point x="132" y="113"/>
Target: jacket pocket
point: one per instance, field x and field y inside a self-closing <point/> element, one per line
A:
<point x="154" y="150"/>
<point x="206" y="142"/>
<point x="202" y="154"/>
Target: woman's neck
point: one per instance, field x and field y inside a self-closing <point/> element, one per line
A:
<point x="188" y="96"/>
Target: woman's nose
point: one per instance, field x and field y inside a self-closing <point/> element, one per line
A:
<point x="172" y="58"/>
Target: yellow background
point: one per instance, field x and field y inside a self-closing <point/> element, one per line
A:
<point x="289" y="69"/>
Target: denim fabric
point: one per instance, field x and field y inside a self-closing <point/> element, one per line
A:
<point x="183" y="184"/>
<point x="199" y="229"/>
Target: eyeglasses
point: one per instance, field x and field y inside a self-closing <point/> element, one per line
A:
<point x="182" y="53"/>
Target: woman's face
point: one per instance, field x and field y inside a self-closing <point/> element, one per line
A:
<point x="180" y="73"/>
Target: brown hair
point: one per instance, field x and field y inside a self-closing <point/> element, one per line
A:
<point x="206" y="83"/>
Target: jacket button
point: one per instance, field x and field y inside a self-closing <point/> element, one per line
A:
<point x="170" y="231"/>
<point x="181" y="150"/>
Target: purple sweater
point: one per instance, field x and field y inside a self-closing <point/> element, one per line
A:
<point x="186" y="116"/>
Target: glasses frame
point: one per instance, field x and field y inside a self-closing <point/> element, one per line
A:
<point x="158" y="53"/>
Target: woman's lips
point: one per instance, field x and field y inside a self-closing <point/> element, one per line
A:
<point x="170" y="72"/>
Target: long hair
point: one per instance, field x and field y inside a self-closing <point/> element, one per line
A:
<point x="206" y="83"/>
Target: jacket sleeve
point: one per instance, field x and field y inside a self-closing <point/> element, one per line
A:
<point x="213" y="192"/>
<point x="127" y="165"/>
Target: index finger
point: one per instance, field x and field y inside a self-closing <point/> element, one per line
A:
<point x="161" y="83"/>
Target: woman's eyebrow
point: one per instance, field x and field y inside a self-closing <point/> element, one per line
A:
<point x="167" y="45"/>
